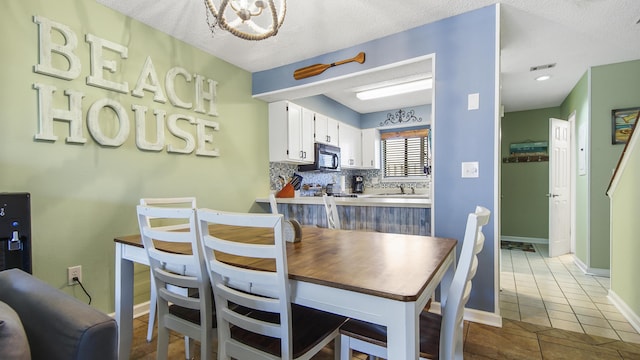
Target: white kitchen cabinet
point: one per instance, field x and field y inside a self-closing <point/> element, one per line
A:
<point x="326" y="130"/>
<point x="371" y="149"/>
<point x="350" y="139"/>
<point x="290" y="133"/>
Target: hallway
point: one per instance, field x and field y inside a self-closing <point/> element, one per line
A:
<point x="555" y="292"/>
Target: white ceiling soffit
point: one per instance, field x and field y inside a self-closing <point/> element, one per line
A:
<point x="574" y="34"/>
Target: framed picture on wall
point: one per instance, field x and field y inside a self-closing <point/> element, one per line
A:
<point x="622" y="121"/>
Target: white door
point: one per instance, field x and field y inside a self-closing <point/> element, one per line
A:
<point x="559" y="188"/>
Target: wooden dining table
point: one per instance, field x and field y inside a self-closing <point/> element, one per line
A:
<point x="382" y="278"/>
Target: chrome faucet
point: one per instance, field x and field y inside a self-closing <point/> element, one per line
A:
<point x="401" y="188"/>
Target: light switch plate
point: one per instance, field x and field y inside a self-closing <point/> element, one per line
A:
<point x="470" y="169"/>
<point x="474" y="101"/>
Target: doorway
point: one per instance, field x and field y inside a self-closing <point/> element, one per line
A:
<point x="560" y="186"/>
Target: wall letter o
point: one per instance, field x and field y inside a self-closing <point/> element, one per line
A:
<point x="93" y="117"/>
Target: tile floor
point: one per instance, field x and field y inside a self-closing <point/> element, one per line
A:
<point x="554" y="292"/>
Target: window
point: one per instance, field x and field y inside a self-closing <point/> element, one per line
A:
<point x="406" y="154"/>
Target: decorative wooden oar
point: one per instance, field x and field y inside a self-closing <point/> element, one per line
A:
<point x="317" y="69"/>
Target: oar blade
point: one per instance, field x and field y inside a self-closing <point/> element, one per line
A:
<point x="309" y="71"/>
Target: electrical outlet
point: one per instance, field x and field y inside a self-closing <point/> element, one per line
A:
<point x="74" y="272"/>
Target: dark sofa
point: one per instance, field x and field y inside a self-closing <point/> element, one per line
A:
<point x="57" y="326"/>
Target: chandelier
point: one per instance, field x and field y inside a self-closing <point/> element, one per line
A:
<point x="243" y="18"/>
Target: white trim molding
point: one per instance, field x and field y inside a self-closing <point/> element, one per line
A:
<point x="138" y="310"/>
<point x="625" y="310"/>
<point x="476" y="316"/>
<point x="589" y="270"/>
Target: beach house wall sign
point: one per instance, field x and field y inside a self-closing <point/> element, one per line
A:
<point x="59" y="41"/>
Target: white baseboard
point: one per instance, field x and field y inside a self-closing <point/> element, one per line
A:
<point x="625" y="310"/>
<point x="477" y="316"/>
<point x="525" y="239"/>
<point x="138" y="310"/>
<point x="589" y="270"/>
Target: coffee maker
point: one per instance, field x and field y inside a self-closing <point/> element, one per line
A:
<point x="357" y="186"/>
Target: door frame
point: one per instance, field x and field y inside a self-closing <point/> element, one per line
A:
<point x="573" y="145"/>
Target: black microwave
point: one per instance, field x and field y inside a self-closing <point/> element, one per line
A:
<point x="327" y="158"/>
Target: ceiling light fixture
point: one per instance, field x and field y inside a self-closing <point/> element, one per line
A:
<point x="543" y="77"/>
<point x="395" y="89"/>
<point x="249" y="20"/>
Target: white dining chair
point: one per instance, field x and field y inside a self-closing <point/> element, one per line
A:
<point x="273" y="203"/>
<point x="256" y="319"/>
<point x="331" y="209"/>
<point x="182" y="202"/>
<point x="440" y="336"/>
<point x="191" y="316"/>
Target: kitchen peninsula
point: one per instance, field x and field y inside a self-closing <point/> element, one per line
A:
<point x="405" y="214"/>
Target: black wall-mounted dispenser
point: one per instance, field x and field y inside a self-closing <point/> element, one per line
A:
<point x="15" y="231"/>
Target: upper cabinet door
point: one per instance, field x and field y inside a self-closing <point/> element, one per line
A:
<point x="290" y="133"/>
<point x="326" y="130"/>
<point x="370" y="149"/>
<point x="306" y="136"/>
<point x="350" y="146"/>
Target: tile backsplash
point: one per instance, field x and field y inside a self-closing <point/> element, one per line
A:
<point x="286" y="171"/>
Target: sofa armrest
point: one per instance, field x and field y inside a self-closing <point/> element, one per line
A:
<point x="57" y="325"/>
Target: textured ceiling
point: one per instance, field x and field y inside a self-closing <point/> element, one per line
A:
<point x="574" y="34"/>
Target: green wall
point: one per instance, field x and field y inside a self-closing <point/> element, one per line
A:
<point x="600" y="90"/>
<point x="83" y="195"/>
<point x="625" y="228"/>
<point x="578" y="101"/>
<point x="525" y="206"/>
<point x="614" y="86"/>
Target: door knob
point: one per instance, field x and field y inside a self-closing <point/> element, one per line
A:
<point x="552" y="195"/>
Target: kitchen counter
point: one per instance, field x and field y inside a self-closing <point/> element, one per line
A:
<point x="405" y="201"/>
<point x="402" y="214"/>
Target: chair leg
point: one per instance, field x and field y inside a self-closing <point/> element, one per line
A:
<point x="345" y="349"/>
<point x="188" y="348"/>
<point x="206" y="342"/>
<point x="163" y="342"/>
<point x="152" y="310"/>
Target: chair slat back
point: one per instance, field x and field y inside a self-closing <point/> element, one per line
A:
<point x="331" y="209"/>
<point x="264" y="291"/>
<point x="460" y="289"/>
<point x="171" y="269"/>
<point x="169" y="202"/>
<point x="175" y="202"/>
